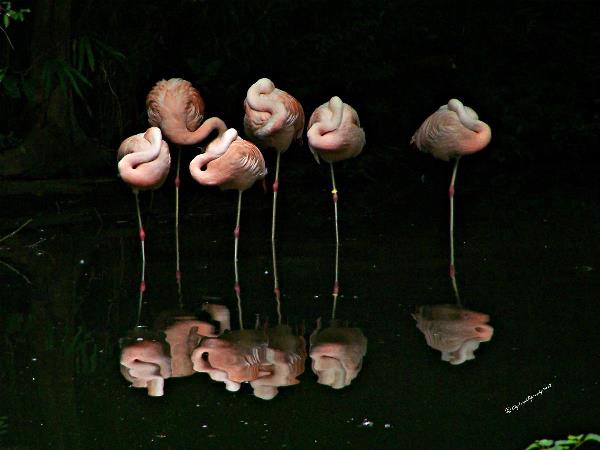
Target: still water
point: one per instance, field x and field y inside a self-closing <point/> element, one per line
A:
<point x="527" y="256"/>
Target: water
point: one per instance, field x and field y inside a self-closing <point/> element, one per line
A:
<point x="527" y="255"/>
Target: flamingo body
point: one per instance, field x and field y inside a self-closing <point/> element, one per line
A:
<point x="144" y="364"/>
<point x="273" y="118"/>
<point x="144" y="160"/>
<point x="334" y="132"/>
<point x="453" y="130"/>
<point x="178" y="109"/>
<point x="229" y="162"/>
<point x="454" y="331"/>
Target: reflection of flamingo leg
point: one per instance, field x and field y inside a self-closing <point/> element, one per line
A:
<point x="156" y="387"/>
<point x="236" y="286"/>
<point x="336" y="287"/>
<point x="142" y="235"/>
<point x="452" y="266"/>
<point x="177" y="268"/>
<point x="275" y="278"/>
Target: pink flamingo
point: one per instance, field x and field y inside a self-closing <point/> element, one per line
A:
<point x="337" y="353"/>
<point x="334" y="134"/>
<point x="454" y="331"/>
<point x="450" y="132"/>
<point x="178" y="109"/>
<point x="273" y="119"/>
<point x="284" y="360"/>
<point x="145" y="364"/>
<point x="230" y="162"/>
<point x="144" y="162"/>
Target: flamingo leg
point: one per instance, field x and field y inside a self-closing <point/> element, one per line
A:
<point x="142" y="235"/>
<point x="276" y="290"/>
<point x="236" y="286"/>
<point x="177" y="267"/>
<point x="336" y="286"/>
<point x="452" y="265"/>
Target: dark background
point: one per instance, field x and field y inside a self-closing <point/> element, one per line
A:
<point x="528" y="213"/>
<point x="530" y="69"/>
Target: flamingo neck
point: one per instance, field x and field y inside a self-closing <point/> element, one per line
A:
<point x="330" y="122"/>
<point x="468" y="118"/>
<point x="336" y="106"/>
<point x="259" y="95"/>
<point x="135" y="158"/>
<point x="154" y="136"/>
<point x="215" y="149"/>
<point x="185" y="137"/>
<point x="262" y="96"/>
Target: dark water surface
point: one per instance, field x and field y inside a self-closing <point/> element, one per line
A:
<point x="527" y="249"/>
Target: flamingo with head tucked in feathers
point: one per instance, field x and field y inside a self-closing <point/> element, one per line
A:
<point x="273" y="119"/>
<point x="144" y="163"/>
<point x="452" y="131"/>
<point x="334" y="134"/>
<point x="230" y="162"/>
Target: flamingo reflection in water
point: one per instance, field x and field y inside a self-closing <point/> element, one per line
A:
<point x="452" y="131"/>
<point x="148" y="357"/>
<point x="267" y="358"/>
<point x="334" y="134"/>
<point x="183" y="330"/>
<point x="454" y="331"/>
<point x="337" y="353"/>
<point x="145" y="360"/>
<point x="285" y="358"/>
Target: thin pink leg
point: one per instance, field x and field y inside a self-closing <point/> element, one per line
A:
<point x="336" y="284"/>
<point x="276" y="289"/>
<point x="236" y="286"/>
<point x="452" y="265"/>
<point x="142" y="235"/>
<point x="177" y="267"/>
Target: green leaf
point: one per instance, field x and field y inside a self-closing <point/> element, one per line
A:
<point x="533" y="446"/>
<point x="592" y="437"/>
<point x="105" y="48"/>
<point x="77" y="53"/>
<point x="90" y="55"/>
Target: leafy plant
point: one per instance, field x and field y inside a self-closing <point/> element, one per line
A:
<point x="66" y="75"/>
<point x="79" y="345"/>
<point x="3" y="425"/>
<point x="572" y="442"/>
<point x="8" y="15"/>
<point x="86" y="50"/>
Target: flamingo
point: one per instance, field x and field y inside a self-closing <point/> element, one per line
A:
<point x="178" y="109"/>
<point x="337" y="353"/>
<point x="144" y="162"/>
<point x="334" y="134"/>
<point x="230" y="162"/>
<point x="145" y="364"/>
<point x="273" y="119"/>
<point x="454" y="331"/>
<point x="452" y="131"/>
